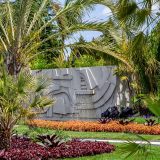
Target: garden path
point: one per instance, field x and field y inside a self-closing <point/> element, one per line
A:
<point x="157" y="143"/>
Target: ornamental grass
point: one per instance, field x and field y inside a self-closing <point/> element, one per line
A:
<point x="112" y="126"/>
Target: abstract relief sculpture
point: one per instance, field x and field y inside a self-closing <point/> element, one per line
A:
<point x="80" y="93"/>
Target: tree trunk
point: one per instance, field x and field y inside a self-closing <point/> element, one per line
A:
<point x="5" y="139"/>
<point x="13" y="64"/>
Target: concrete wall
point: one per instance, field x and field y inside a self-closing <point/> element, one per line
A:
<point x="83" y="93"/>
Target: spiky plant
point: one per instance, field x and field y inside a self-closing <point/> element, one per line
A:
<point x="141" y="151"/>
<point x="125" y="121"/>
<point x="20" y="97"/>
<point x="49" y="140"/>
<point x="104" y="120"/>
<point x="150" y="122"/>
<point x="137" y="20"/>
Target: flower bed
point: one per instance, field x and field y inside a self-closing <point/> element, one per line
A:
<point x="24" y="149"/>
<point x="112" y="126"/>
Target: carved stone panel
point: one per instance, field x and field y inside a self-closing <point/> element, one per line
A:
<point x="80" y="93"/>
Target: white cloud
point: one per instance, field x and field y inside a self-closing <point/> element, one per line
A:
<point x="106" y="11"/>
<point x="155" y="7"/>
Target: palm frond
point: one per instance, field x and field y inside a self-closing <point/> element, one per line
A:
<point x="41" y="85"/>
<point x="141" y="151"/>
<point x="153" y="103"/>
<point x="73" y="6"/>
<point x="18" y="97"/>
<point x="26" y="16"/>
<point x="73" y="29"/>
<point x="24" y="80"/>
<point x="5" y="33"/>
<point x="37" y="15"/>
<point x="3" y="44"/>
<point x="41" y="102"/>
<point x="11" y="19"/>
<point x="107" y="49"/>
<point x="20" y="22"/>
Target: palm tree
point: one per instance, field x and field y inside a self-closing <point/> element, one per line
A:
<point x="19" y="39"/>
<point x="19" y="43"/>
<point x="20" y="97"/>
<point x="138" y="20"/>
<point x="133" y="19"/>
<point x="20" y="35"/>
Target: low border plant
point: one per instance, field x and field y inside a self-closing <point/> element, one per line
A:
<point x="112" y="126"/>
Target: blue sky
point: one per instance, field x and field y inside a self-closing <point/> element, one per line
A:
<point x="100" y="13"/>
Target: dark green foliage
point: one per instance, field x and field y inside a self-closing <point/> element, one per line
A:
<point x="46" y="55"/>
<point x="153" y="103"/>
<point x="126" y="8"/>
<point x="42" y="62"/>
<point x="82" y="57"/>
<point x="140" y="151"/>
<point x="138" y="56"/>
<point x="88" y="61"/>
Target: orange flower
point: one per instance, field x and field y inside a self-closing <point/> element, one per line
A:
<point x="112" y="126"/>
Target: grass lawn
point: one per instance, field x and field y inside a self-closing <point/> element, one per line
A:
<point x="24" y="130"/>
<point x="142" y="120"/>
<point x="118" y="156"/>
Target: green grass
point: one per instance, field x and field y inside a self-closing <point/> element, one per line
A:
<point x="116" y="155"/>
<point x="24" y="130"/>
<point x="142" y="120"/>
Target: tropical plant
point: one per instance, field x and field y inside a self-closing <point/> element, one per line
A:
<point x="127" y="44"/>
<point x="150" y="122"/>
<point x="21" y="96"/>
<point x="153" y="103"/>
<point x="138" y="20"/>
<point x="20" y="38"/>
<point x="104" y="120"/>
<point x="26" y="149"/>
<point x="144" y="151"/>
<point x="88" y="61"/>
<point x="125" y="121"/>
<point x="49" y="140"/>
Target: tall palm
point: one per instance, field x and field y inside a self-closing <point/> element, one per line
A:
<point x="138" y="13"/>
<point x="19" y="39"/>
<point x="145" y="17"/>
<point x="133" y="19"/>
<point x="20" y="35"/>
<point x="69" y="19"/>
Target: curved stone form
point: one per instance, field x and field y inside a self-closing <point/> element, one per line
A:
<point x="81" y="93"/>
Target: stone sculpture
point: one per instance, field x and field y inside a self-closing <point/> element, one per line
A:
<point x="80" y="93"/>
